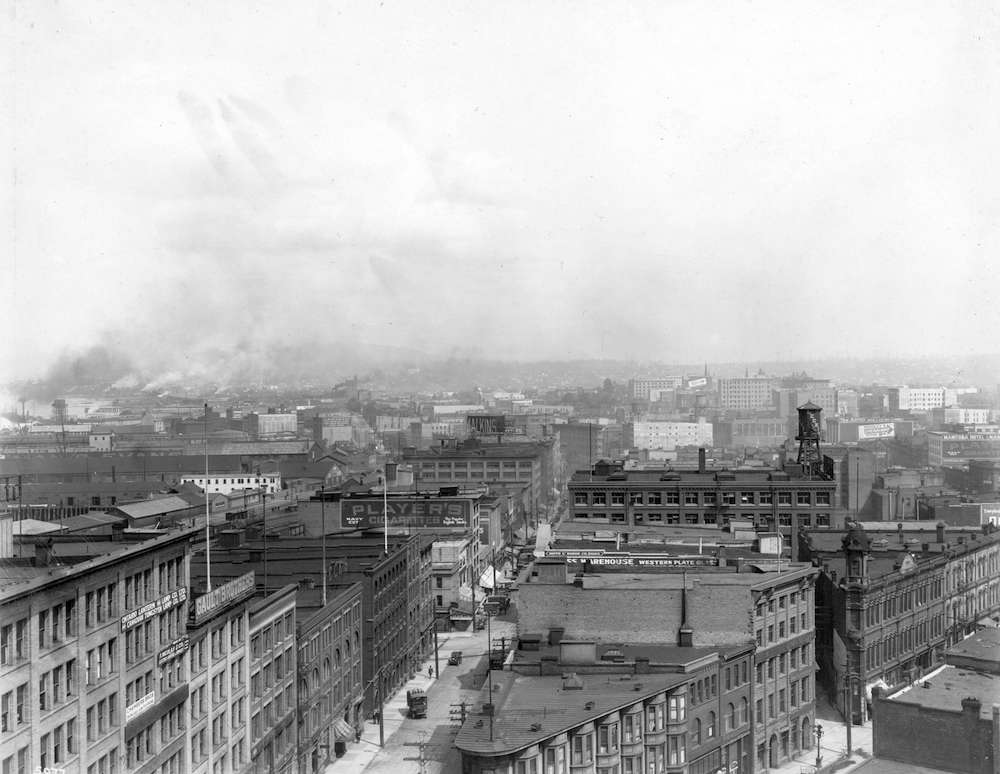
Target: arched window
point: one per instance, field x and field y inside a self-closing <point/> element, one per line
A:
<point x="347" y="647"/>
<point x="357" y="639"/>
<point x="807" y="734"/>
<point x="303" y="689"/>
<point x="326" y="668"/>
<point x="744" y="711"/>
<point x="315" y="678"/>
<point x="697" y="731"/>
<point x="731" y="717"/>
<point x="339" y="658"/>
<point x="710" y="732"/>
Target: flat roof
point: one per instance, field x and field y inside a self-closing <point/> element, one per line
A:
<point x="945" y="687"/>
<point x="676" y="579"/>
<point x="531" y="709"/>
<point x="983" y="645"/>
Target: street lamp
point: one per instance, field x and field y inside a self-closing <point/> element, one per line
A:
<point x="819" y="750"/>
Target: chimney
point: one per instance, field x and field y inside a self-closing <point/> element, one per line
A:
<point x="556" y="634"/>
<point x="685" y="635"/>
<point x="925" y="547"/>
<point x="43" y="554"/>
<point x="641" y="665"/>
<point x="940" y="532"/>
<point x="701" y="459"/>
<point x="794" y="551"/>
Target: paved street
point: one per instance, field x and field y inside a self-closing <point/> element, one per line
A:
<point x="834" y="743"/>
<point x="425" y="745"/>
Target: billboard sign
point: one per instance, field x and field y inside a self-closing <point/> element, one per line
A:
<point x="415" y="514"/>
<point x="486" y="423"/>
<point x="990" y="514"/>
<point x="699" y="382"/>
<point x="880" y="430"/>
<point x="153" y="609"/>
<point x="224" y="595"/>
<point x="624" y="558"/>
<point x="174" y="649"/>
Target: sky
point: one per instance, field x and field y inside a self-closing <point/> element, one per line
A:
<point x="197" y="186"/>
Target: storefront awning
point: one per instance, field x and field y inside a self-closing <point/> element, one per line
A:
<point x="342" y="730"/>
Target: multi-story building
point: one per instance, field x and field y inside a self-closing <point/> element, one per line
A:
<point x="667" y="435"/>
<point x="234" y="481"/>
<point x="271" y="424"/>
<point x="890" y="600"/>
<point x="630" y="500"/>
<point x="640" y="387"/>
<point x="531" y="464"/>
<point x="226" y="686"/>
<point x="920" y="399"/>
<point x="330" y="690"/>
<point x="760" y="433"/>
<point x="958" y="449"/>
<point x="746" y="392"/>
<point x="763" y="604"/>
<point x="395" y="587"/>
<point x="92" y="677"/>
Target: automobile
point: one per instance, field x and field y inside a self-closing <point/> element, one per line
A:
<point x="496" y="604"/>
<point x="455" y="657"/>
<point x="416" y="702"/>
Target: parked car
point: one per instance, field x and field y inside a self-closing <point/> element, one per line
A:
<point x="455" y="658"/>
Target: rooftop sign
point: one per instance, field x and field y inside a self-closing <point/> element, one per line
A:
<point x="223" y="596"/>
<point x="625" y="558"/>
<point x="406" y="513"/>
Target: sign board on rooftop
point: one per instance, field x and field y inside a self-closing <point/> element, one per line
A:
<point x="222" y="596"/>
<point x="416" y="513"/>
<point x="620" y="558"/>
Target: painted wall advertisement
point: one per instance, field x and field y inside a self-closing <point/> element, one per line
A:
<point x="608" y="558"/>
<point x="879" y="430"/>
<point x="368" y="514"/>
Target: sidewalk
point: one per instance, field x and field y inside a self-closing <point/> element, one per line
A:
<point x="833" y="745"/>
<point x="360" y="754"/>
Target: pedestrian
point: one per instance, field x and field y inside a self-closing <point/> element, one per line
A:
<point x="357" y="734"/>
<point x="430" y="671"/>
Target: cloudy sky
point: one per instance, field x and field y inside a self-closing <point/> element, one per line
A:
<point x="681" y="181"/>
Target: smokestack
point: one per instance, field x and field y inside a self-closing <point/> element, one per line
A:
<point x="940" y="532"/>
<point x="701" y="459"/>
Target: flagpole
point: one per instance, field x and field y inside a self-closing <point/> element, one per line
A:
<point x="385" y="511"/>
<point x="208" y="531"/>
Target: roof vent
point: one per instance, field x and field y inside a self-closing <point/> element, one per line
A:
<point x="572" y="682"/>
<point x="589" y="705"/>
<point x="535" y="727"/>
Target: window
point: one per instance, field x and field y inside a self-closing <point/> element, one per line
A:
<point x="678" y="708"/>
<point x="710" y="726"/>
<point x="607" y="738"/>
<point x="784" y="498"/>
<point x="803" y="498"/>
<point x="582" y="750"/>
<point x="43" y="618"/>
<point x="632" y="728"/>
<point x="731" y="721"/>
<point x="676" y="750"/>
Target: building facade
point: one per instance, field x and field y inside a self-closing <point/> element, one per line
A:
<point x="91" y="676"/>
<point x="890" y="601"/>
<point x="746" y="392"/>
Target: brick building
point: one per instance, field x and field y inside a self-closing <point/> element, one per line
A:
<point x="625" y="500"/>
<point x="762" y="604"/>
<point x="890" y="601"/>
<point x="950" y="720"/>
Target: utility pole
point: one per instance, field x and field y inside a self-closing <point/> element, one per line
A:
<point x="322" y="508"/>
<point x="263" y="499"/>
<point x="849" y="707"/>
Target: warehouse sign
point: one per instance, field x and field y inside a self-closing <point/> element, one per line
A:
<point x="368" y="514"/>
<point x="880" y="430"/>
<point x="624" y="558"/>
<point x="153" y="609"/>
<point x="224" y="595"/>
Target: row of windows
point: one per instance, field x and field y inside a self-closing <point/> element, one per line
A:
<point x="778" y="703"/>
<point x="106" y="764"/>
<point x="57" y="624"/>
<point x="56" y="685"/>
<point x="262" y="721"/>
<point x="784" y="662"/>
<point x="784" y="519"/>
<point x="59" y="745"/>
<point x="102" y="717"/>
<point x="283" y="628"/>
<point x="701" y="497"/>
<point x="794" y="623"/>
<point x="13" y="708"/>
<point x="102" y="661"/>
<point x="904" y="642"/>
<point x="886" y="607"/>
